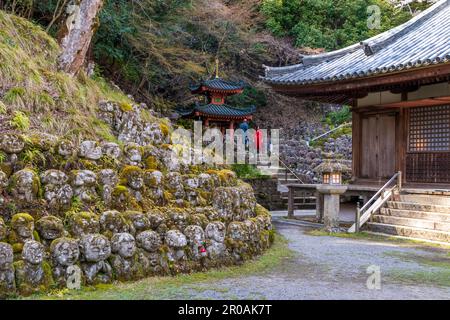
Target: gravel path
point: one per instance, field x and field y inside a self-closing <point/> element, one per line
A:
<point x="336" y="268"/>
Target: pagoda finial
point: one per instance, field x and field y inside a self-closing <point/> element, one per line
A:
<point x="217" y="67"/>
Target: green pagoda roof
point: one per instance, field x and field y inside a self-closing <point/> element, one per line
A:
<point x="217" y="84"/>
<point x="218" y="110"/>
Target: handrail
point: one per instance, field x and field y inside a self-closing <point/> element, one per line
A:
<point x="286" y="167"/>
<point x="328" y="132"/>
<point x="379" y="199"/>
<point x="381" y="190"/>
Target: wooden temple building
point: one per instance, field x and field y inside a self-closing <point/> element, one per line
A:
<point x="215" y="111"/>
<point x="398" y="85"/>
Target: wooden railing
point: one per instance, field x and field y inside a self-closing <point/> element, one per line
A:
<point x="290" y="170"/>
<point x="376" y="202"/>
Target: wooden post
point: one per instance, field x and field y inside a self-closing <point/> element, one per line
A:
<point x="358" y="217"/>
<point x="290" y="202"/>
<point x="319" y="207"/>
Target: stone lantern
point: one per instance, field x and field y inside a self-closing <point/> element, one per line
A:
<point x="332" y="171"/>
<point x="330" y="191"/>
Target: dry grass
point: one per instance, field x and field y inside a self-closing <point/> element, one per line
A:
<point x="30" y="84"/>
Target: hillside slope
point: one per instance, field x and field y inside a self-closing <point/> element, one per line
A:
<point x="90" y="179"/>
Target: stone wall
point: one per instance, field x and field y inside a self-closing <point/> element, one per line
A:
<point x="266" y="193"/>
<point x="120" y="211"/>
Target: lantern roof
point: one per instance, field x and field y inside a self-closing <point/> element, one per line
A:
<point x="330" y="166"/>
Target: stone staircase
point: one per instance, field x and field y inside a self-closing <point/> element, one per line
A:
<point x="417" y="216"/>
<point x="284" y="177"/>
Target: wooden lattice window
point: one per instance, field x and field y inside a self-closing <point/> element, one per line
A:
<point x="429" y="129"/>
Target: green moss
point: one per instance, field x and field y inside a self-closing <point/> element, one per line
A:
<point x="20" y="218"/>
<point x="164" y="129"/>
<point x="126" y="106"/>
<point x="151" y="163"/>
<point x="129" y="172"/>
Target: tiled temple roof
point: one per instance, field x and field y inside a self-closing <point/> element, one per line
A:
<point x="222" y="110"/>
<point x="218" y="84"/>
<point x="420" y="42"/>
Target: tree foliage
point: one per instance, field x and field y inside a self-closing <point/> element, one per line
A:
<point x="329" y="24"/>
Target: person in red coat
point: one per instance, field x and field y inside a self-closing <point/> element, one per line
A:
<point x="259" y="138"/>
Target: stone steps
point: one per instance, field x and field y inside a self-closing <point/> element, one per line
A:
<point x="425" y="199"/>
<point x="413" y="206"/>
<point x="432" y="216"/>
<point x="410" y="232"/>
<point x="420" y="216"/>
<point x="409" y="222"/>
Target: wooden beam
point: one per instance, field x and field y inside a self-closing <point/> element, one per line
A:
<point x="429" y="75"/>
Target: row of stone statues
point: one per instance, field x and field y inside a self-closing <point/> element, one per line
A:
<point x="28" y="266"/>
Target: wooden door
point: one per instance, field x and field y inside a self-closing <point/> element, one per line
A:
<point x="378" y="152"/>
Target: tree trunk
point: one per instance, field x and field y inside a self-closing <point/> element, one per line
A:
<point x="76" y="33"/>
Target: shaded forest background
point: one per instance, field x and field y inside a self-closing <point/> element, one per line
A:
<point x="154" y="48"/>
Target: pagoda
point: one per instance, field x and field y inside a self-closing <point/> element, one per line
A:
<point x="215" y="111"/>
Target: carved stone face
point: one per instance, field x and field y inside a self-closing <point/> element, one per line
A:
<point x="90" y="150"/>
<point x="6" y="256"/>
<point x="111" y="149"/>
<point x="26" y="185"/>
<point x="65" y="251"/>
<point x="132" y="153"/>
<point x="138" y="219"/>
<point x="23" y="225"/>
<point x="215" y="231"/>
<point x="65" y="148"/>
<point x="135" y="179"/>
<point x="83" y="223"/>
<point x="33" y="252"/>
<point x="95" y="248"/>
<point x="113" y="221"/>
<point x="3" y="180"/>
<point x="123" y="244"/>
<point x="3" y="229"/>
<point x="175" y="239"/>
<point x="108" y="177"/>
<point x="11" y="143"/>
<point x="50" y="227"/>
<point x="149" y="241"/>
<point x="194" y="234"/>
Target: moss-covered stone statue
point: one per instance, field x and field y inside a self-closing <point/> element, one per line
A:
<point x="7" y="281"/>
<point x="64" y="253"/>
<point x="238" y="240"/>
<point x="25" y="185"/>
<point x="158" y="221"/>
<point x="149" y="253"/>
<point x="124" y="260"/>
<point x="49" y="228"/>
<point x="112" y="222"/>
<point x="82" y="223"/>
<point x="176" y="254"/>
<point x="138" y="221"/>
<point x="84" y="184"/>
<point x="32" y="273"/>
<point x="215" y="235"/>
<point x="3" y="230"/>
<point x="57" y="191"/>
<point x="95" y="250"/>
<point x="22" y="230"/>
<point x="153" y="180"/>
<point x="179" y="218"/>
<point x="196" y="242"/>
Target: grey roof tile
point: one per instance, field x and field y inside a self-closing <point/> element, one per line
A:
<point x="422" y="41"/>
